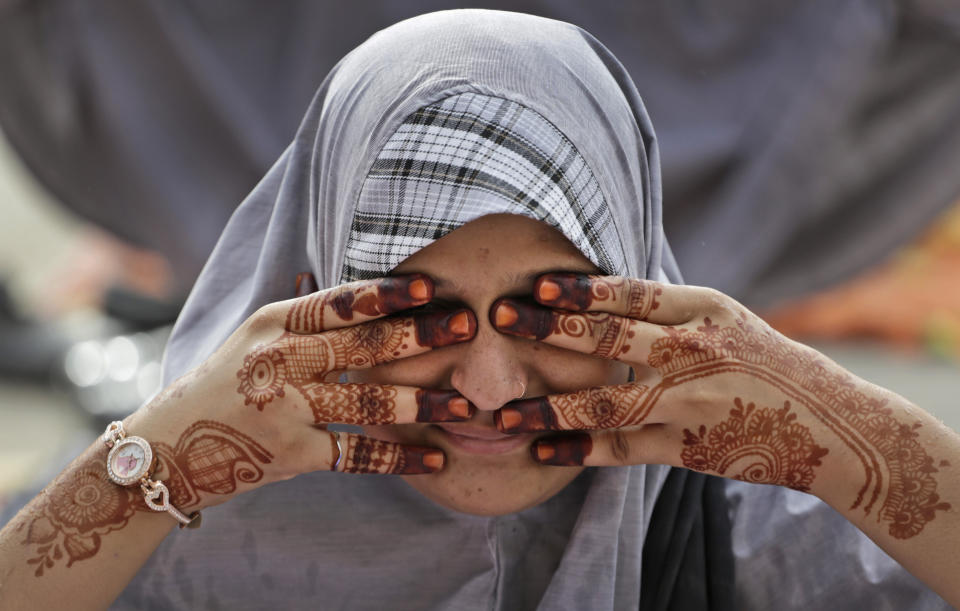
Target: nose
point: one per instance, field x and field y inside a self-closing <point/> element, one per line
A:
<point x="489" y="373"/>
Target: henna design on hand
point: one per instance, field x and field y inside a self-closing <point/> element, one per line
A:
<point x="895" y="465"/>
<point x="384" y="296"/>
<point x="594" y="408"/>
<point x="367" y="455"/>
<point x="579" y="292"/>
<point x="73" y="514"/>
<point x="898" y="472"/>
<point x="303" y="362"/>
<point x="567" y="451"/>
<point x="517" y="318"/>
<point x="763" y="446"/>
<point x="209" y="457"/>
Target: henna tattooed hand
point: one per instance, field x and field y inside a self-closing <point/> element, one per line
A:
<point x="275" y="379"/>
<point x="716" y="390"/>
<point x="249" y="415"/>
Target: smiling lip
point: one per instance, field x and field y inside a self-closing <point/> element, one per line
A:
<point x="482" y="440"/>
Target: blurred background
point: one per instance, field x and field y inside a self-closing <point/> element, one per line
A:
<point x="810" y="155"/>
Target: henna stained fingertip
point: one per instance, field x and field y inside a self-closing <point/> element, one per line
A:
<point x="526" y="416"/>
<point x="570" y="450"/>
<point x="420" y="290"/>
<point x="442" y="328"/>
<point x="420" y="460"/>
<point x="404" y="292"/>
<point x="564" y="291"/>
<point x="442" y="406"/>
<point x="517" y="318"/>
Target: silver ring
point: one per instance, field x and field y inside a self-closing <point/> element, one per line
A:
<point x="336" y="438"/>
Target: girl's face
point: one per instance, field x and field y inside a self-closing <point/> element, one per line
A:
<point x="488" y="473"/>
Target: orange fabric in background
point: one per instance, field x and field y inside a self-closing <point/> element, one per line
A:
<point x="912" y="299"/>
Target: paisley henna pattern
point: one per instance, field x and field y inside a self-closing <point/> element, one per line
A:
<point x="72" y="515"/>
<point x="896" y="466"/>
<point x="898" y="472"/>
<point x="209" y="457"/>
<point x="763" y="446"/>
<point x="367" y="455"/>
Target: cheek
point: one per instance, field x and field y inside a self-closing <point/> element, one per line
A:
<point x="566" y="371"/>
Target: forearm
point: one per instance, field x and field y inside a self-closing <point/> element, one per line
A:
<point x="891" y="470"/>
<point x="79" y="542"/>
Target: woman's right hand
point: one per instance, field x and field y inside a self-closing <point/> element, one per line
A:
<point x="253" y="413"/>
<point x="250" y="414"/>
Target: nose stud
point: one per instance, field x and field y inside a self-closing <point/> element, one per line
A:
<point x="523" y="389"/>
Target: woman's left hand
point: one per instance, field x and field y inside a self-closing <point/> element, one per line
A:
<point x="717" y="390"/>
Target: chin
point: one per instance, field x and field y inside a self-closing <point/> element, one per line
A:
<point x="482" y="484"/>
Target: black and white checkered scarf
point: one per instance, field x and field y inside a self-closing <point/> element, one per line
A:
<point x="467" y="156"/>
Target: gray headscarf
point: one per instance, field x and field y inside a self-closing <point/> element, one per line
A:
<point x="339" y="541"/>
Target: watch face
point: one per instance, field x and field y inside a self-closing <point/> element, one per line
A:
<point x="129" y="460"/>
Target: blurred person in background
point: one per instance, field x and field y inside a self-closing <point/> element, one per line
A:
<point x="590" y="349"/>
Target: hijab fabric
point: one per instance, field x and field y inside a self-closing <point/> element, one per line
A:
<point x="336" y="541"/>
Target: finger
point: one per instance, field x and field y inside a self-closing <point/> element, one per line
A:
<point x="601" y="448"/>
<point x="602" y="407"/>
<point x="662" y="304"/>
<point x="356" y="302"/>
<point x="372" y="343"/>
<point x="598" y="334"/>
<point x="376" y="404"/>
<point x="361" y="454"/>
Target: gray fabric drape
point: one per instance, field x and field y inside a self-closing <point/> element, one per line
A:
<point x="800" y="141"/>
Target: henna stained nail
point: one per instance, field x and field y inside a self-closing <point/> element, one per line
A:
<point x="442" y="406"/>
<point x="526" y="416"/>
<point x="395" y="294"/>
<point x="433" y="460"/>
<point x="420" y="290"/>
<point x="442" y="328"/>
<point x="565" y="291"/>
<point x="566" y="451"/>
<point x="517" y="318"/>
<point x="415" y="460"/>
<point x="507" y="418"/>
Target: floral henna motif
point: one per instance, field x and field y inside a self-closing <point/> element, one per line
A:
<point x="262" y="376"/>
<point x="368" y="455"/>
<point x="83" y="505"/>
<point x="303" y="362"/>
<point x="763" y="446"/>
<point x="895" y="464"/>
<point x="74" y="513"/>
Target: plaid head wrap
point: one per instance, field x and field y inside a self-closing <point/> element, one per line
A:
<point x="465" y="157"/>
